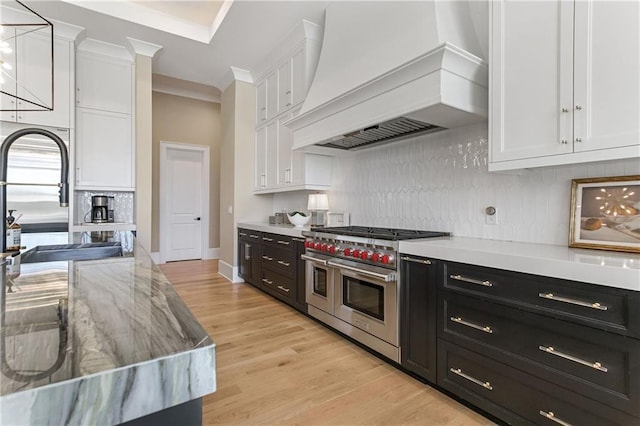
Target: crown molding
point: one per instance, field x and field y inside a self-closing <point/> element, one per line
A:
<point x="234" y="74"/>
<point x="186" y="89"/>
<point x="140" y="47"/>
<point x="104" y="48"/>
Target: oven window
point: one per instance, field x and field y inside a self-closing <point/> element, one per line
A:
<point x="363" y="297"/>
<point x="320" y="281"/>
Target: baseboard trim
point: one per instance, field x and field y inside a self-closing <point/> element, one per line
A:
<point x="229" y="272"/>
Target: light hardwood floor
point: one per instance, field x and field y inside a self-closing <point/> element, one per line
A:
<point x="276" y="366"/>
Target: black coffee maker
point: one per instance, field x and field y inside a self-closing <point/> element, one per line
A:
<point x="99" y="209"/>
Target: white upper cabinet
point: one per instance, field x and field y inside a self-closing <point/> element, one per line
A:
<point x="279" y="95"/>
<point x="564" y="82"/>
<point x="31" y="63"/>
<point x="104" y="82"/>
<point x="104" y="151"/>
<point x="261" y="102"/>
<point x="105" y="142"/>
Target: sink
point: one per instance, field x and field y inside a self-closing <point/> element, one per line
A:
<point x="61" y="252"/>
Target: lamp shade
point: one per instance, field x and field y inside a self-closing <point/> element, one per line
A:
<point x="318" y="202"/>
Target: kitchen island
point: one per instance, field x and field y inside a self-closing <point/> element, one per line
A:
<point x="100" y="342"/>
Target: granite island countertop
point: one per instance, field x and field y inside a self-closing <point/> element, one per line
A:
<point x="98" y="342"/>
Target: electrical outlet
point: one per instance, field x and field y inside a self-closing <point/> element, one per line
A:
<point x="491" y="216"/>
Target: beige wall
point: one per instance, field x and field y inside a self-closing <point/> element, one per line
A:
<point x="237" y="168"/>
<point x="179" y="119"/>
<point x="227" y="170"/>
<point x="143" y="139"/>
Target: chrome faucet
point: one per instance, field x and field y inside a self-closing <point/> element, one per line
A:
<point x="4" y="158"/>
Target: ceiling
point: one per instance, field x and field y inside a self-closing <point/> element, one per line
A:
<point x="200" y="40"/>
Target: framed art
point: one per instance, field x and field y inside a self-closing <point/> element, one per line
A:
<point x="605" y="213"/>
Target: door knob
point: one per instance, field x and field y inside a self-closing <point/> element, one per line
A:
<point x="197" y="218"/>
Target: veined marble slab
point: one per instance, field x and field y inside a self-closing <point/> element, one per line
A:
<point x="98" y="342"/>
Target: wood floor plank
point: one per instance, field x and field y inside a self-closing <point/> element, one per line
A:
<point x="277" y="366"/>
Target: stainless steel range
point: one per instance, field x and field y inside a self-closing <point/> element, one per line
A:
<point x="352" y="281"/>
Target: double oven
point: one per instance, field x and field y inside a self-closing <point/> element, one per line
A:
<point x="352" y="283"/>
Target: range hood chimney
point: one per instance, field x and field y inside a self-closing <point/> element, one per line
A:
<point x="392" y="70"/>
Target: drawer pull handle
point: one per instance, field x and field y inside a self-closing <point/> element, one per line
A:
<point x="471" y="280"/>
<point x="264" y="280"/>
<point x="459" y="372"/>
<point x="286" y="243"/>
<point x="267" y="258"/>
<point x="459" y="320"/>
<point x="553" y="418"/>
<point x="594" y="305"/>
<point x="280" y="262"/>
<point x="242" y="234"/>
<point x="411" y="259"/>
<point x="286" y="290"/>
<point x="267" y="239"/>
<point x="302" y="240"/>
<point x="551" y="350"/>
<point x="254" y="236"/>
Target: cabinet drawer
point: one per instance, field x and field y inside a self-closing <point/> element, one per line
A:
<point x="280" y="260"/>
<point x="249" y="234"/>
<point x="601" y="307"/>
<point x="279" y="285"/>
<point x="515" y="396"/>
<point x="597" y="364"/>
<point x="277" y="240"/>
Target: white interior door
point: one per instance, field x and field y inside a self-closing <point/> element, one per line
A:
<point x="183" y="221"/>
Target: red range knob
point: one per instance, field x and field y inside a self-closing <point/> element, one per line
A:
<point x="385" y="258"/>
<point x="356" y="253"/>
<point x="375" y="257"/>
<point x="347" y="252"/>
<point x="324" y="247"/>
<point x="332" y="249"/>
<point x="364" y="255"/>
<point x="317" y="246"/>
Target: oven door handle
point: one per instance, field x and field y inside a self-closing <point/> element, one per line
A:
<point x="313" y="259"/>
<point x="390" y="277"/>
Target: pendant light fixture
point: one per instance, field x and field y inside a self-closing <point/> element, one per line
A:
<point x="25" y="34"/>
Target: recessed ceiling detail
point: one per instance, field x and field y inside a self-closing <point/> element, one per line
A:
<point x="195" y="20"/>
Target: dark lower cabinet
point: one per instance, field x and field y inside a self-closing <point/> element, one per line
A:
<point x="249" y="255"/>
<point x="272" y="263"/>
<point x="418" y="314"/>
<point x="526" y="349"/>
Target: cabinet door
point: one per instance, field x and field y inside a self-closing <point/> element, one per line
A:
<point x="266" y="157"/>
<point x="297" y="77"/>
<point x="34" y="70"/>
<point x="272" y="154"/>
<point x="284" y="87"/>
<point x="260" y="175"/>
<point x="104" y="150"/>
<point x="531" y="79"/>
<point x="104" y="83"/>
<point x="418" y="316"/>
<point x="607" y="75"/>
<point x="284" y="152"/>
<point x="261" y="102"/>
<point x="272" y="95"/>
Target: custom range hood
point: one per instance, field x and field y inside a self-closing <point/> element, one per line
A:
<point x="391" y="70"/>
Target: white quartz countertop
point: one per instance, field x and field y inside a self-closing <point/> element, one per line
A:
<point x="612" y="269"/>
<point x="98" y="342"/>
<point x="288" y="230"/>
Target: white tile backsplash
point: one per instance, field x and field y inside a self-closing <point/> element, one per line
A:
<point x="441" y="182"/>
<point x="123" y="209"/>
